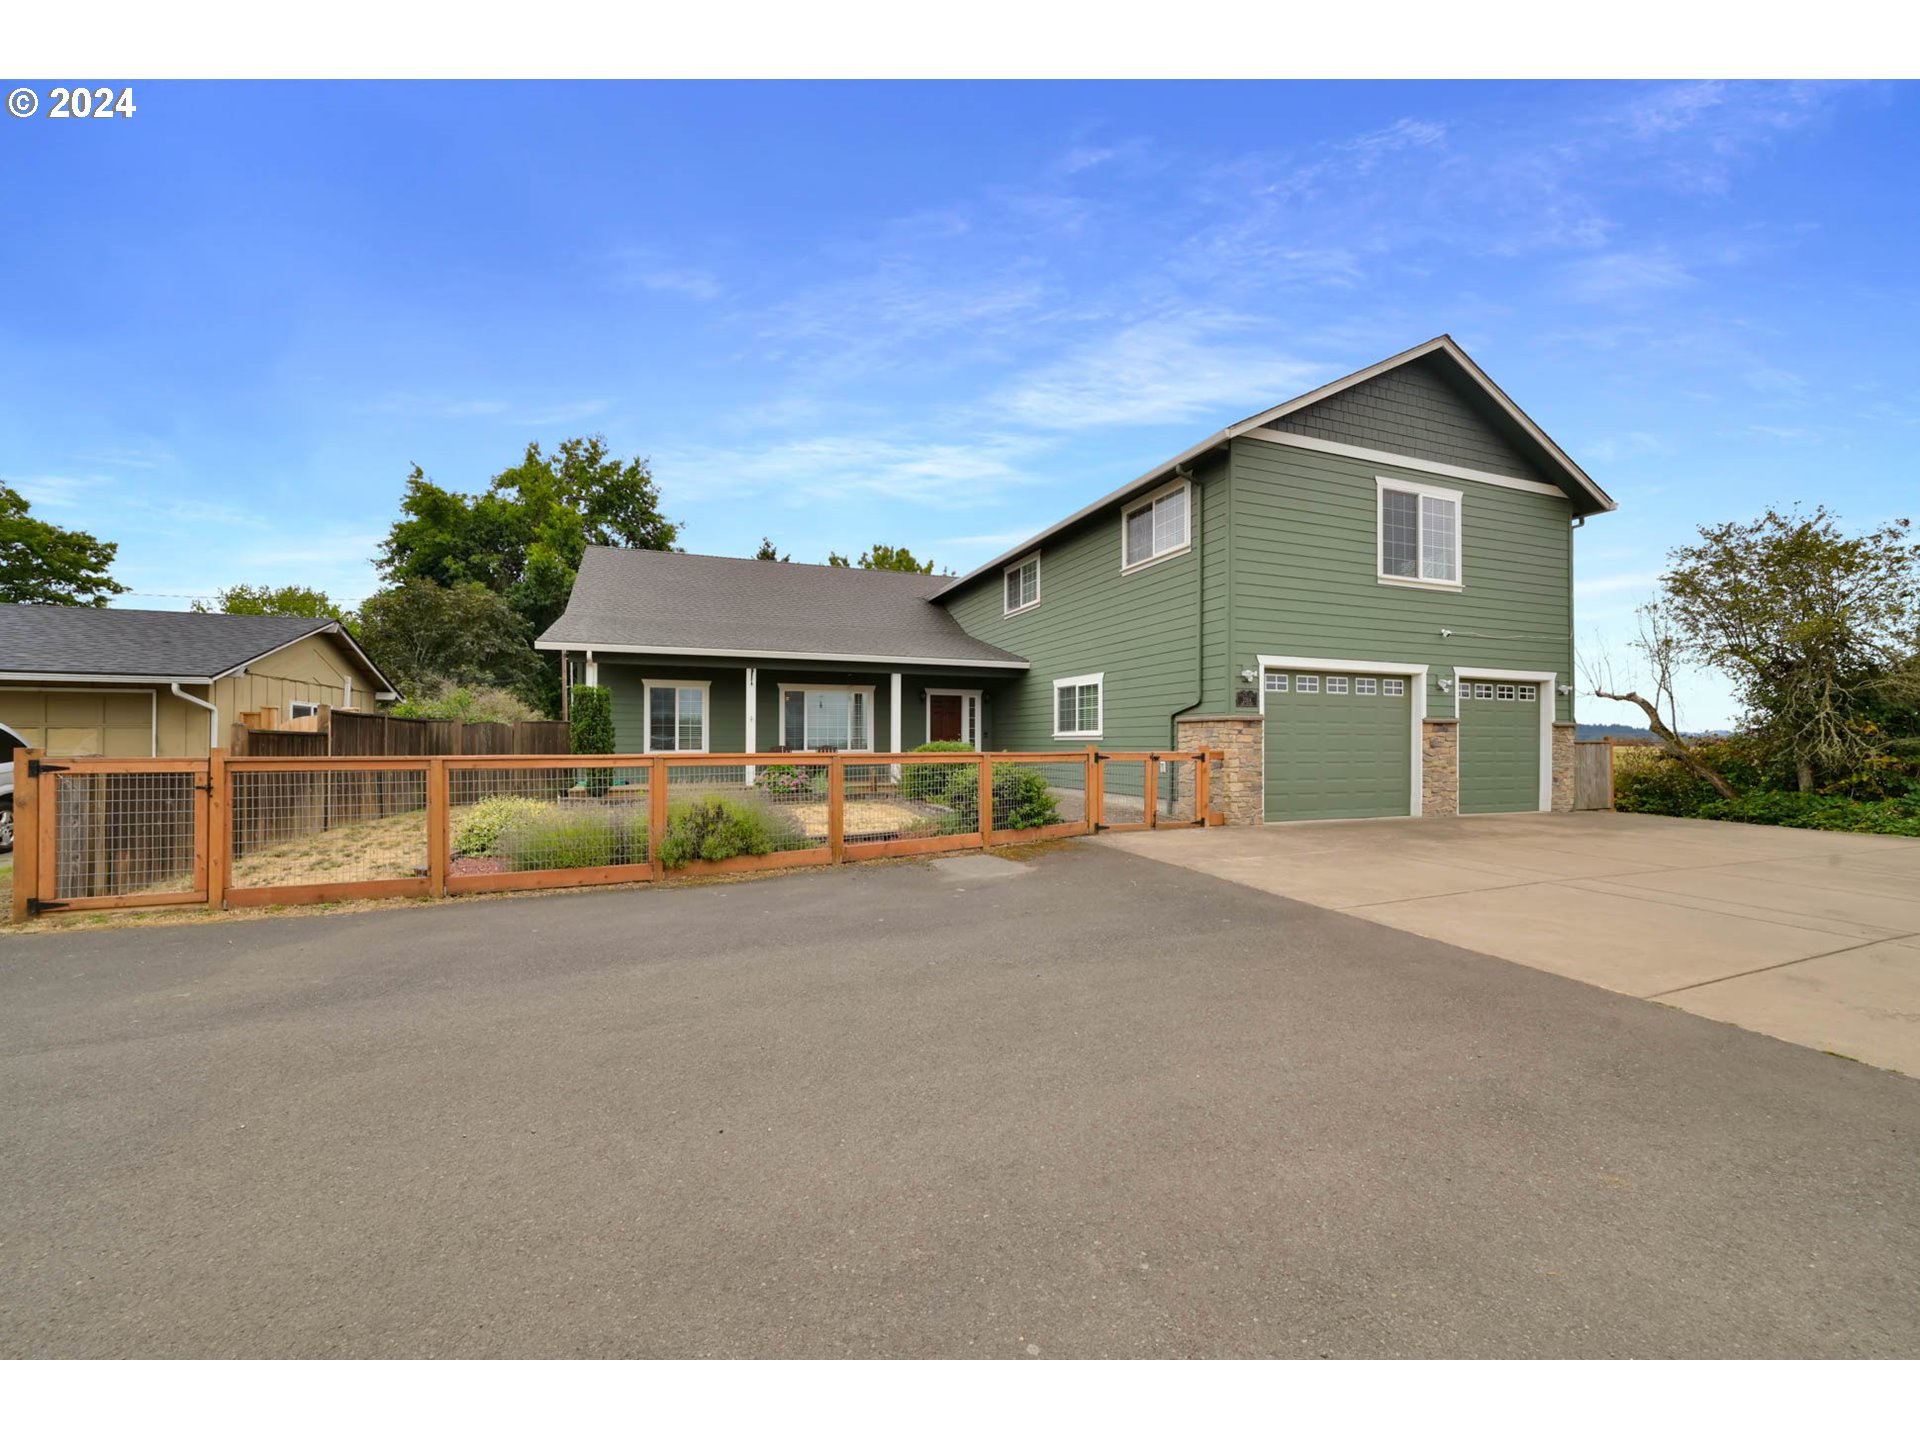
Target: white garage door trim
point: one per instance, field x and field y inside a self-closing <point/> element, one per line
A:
<point x="1417" y="674"/>
<point x="1546" y="680"/>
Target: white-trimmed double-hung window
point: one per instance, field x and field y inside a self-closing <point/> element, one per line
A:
<point x="676" y="716"/>
<point x="1419" y="534"/>
<point x="1022" y="585"/>
<point x="1078" y="704"/>
<point x="1156" y="527"/>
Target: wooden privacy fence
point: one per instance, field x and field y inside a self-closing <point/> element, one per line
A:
<point x="352" y="732"/>
<point x="228" y="831"/>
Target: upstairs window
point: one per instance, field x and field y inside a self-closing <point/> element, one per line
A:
<point x="1155" y="528"/>
<point x="1419" y="534"/>
<point x="1023" y="584"/>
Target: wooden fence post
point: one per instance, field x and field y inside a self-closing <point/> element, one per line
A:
<point x="657" y="815"/>
<point x="1203" y="787"/>
<point x="986" y="802"/>
<point x="1150" y="789"/>
<point x="26" y="832"/>
<point x="219" y="805"/>
<point x="1095" y="791"/>
<point x="439" y="825"/>
<point x="837" y="808"/>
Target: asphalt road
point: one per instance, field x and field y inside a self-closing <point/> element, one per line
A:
<point x="1109" y="1107"/>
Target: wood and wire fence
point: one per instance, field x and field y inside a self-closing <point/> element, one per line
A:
<point x="229" y="831"/>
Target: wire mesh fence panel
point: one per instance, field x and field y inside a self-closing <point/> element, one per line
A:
<point x="931" y="800"/>
<point x="1123" y="792"/>
<point x="733" y="812"/>
<point x="503" y="820"/>
<point x="1174" y="796"/>
<point x="327" y="826"/>
<point x="1036" y="794"/>
<point x="132" y="834"/>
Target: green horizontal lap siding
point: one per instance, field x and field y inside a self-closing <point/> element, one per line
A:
<point x="1141" y="630"/>
<point x="727" y="726"/>
<point x="1499" y="756"/>
<point x="1337" y="757"/>
<point x="726" y="701"/>
<point x="1305" y="565"/>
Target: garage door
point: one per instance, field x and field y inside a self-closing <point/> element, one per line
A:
<point x="1499" y="747"/>
<point x="1339" y="747"/>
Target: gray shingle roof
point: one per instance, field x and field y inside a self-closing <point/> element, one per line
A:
<point x="147" y="644"/>
<point x="713" y="604"/>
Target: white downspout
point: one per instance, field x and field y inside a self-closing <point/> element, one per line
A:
<point x="213" y="712"/>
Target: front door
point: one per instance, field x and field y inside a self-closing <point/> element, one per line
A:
<point x="945" y="718"/>
<point x="954" y="715"/>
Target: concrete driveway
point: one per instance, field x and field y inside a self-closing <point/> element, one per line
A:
<point x="1089" y="1107"/>
<point x="1809" y="936"/>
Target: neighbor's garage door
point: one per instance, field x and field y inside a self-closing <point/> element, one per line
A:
<point x="1499" y="747"/>
<point x="1339" y="747"/>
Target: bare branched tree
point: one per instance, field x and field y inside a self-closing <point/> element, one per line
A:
<point x="1658" y="650"/>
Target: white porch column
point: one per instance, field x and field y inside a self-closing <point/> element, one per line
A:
<point x="593" y="669"/>
<point x="753" y="715"/>
<point x="893" y="714"/>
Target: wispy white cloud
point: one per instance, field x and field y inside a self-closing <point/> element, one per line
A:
<point x="958" y="476"/>
<point x="1175" y="368"/>
<point x="1618" y="276"/>
<point x="1636" y="580"/>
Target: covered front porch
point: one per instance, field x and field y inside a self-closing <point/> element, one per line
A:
<point x="671" y="704"/>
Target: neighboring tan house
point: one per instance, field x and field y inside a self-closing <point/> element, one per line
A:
<point x="76" y="680"/>
<point x="1364" y="596"/>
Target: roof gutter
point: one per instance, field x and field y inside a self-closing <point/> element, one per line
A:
<point x="213" y="712"/>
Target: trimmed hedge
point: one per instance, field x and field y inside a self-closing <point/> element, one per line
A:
<point x="941" y="784"/>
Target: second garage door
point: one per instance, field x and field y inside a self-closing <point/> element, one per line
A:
<point x="1499" y="747"/>
<point x="1339" y="747"/>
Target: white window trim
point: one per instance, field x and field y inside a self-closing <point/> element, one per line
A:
<point x="1414" y="675"/>
<point x="965" y="695"/>
<point x="647" y="687"/>
<point x="295" y="712"/>
<point x="1546" y="680"/>
<point x="1031" y="558"/>
<point x="1099" y="682"/>
<point x="1133" y="507"/>
<point x="1384" y="483"/>
<point x="866" y="690"/>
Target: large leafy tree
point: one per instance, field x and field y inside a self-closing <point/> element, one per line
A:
<point x="523" y="537"/>
<point x="46" y="564"/>
<point x="429" y="636"/>
<point x="299" y="600"/>
<point x="1815" y="627"/>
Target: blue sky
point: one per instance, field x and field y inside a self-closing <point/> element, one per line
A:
<point x="933" y="315"/>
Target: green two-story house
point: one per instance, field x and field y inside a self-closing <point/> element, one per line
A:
<point x="1363" y="597"/>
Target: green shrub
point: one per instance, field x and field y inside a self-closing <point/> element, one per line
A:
<point x="1022" y="798"/>
<point x="720" y="827"/>
<point x="942" y="784"/>
<point x="1819" y="812"/>
<point x="591" y="732"/>
<point x="574" y="837"/>
<point x="478" y="828"/>
<point x="442" y="700"/>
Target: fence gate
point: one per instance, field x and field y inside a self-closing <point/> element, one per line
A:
<point x="1151" y="790"/>
<point x="112" y="833"/>
<point x="1592" y="775"/>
